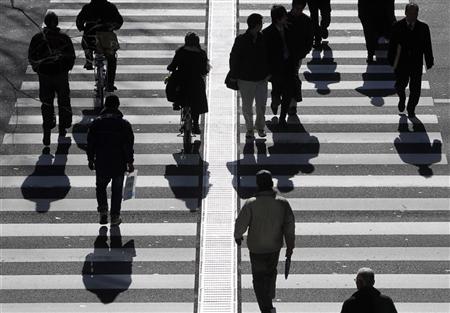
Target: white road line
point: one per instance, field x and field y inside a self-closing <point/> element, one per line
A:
<point x="441" y="100"/>
<point x="122" y="69"/>
<point x="147" y="39"/>
<point x="336" y="13"/>
<point x="343" y="159"/>
<point x="147" y="25"/>
<point x="333" y="307"/>
<point x="83" y="205"/>
<point x="288" y="2"/>
<point x="344" y="281"/>
<point x="382" y="254"/>
<point x="89" y="181"/>
<point x="203" y="1"/>
<point x="141" y="12"/>
<point x="80" y="159"/>
<point x="87" y="119"/>
<point x="353" y="181"/>
<point x="92" y="307"/>
<point x="84" y="229"/>
<point x="98" y="255"/>
<point x="134" y="281"/>
<point x="89" y="102"/>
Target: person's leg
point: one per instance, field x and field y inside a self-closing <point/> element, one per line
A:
<point x="314" y="13"/>
<point x="116" y="195"/>
<point x="64" y="108"/>
<point x="195" y="123"/>
<point x="259" y="273"/>
<point x="401" y="81"/>
<point x="247" y="90"/>
<point x="102" y="199"/>
<point x="415" y="86"/>
<point x="47" y="97"/>
<point x="272" y="273"/>
<point x="325" y="13"/>
<point x="369" y="34"/>
<point x="260" y="105"/>
<point x="111" y="71"/>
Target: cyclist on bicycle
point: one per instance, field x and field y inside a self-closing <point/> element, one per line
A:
<point x="98" y="19"/>
<point x="191" y="62"/>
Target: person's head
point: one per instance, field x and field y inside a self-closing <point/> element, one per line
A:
<point x="192" y="40"/>
<point x="255" y="22"/>
<point x="264" y="180"/>
<point x="411" y="12"/>
<point x="51" y="20"/>
<point x="365" y="277"/>
<point x="278" y="14"/>
<point x="112" y="102"/>
<point x="298" y="6"/>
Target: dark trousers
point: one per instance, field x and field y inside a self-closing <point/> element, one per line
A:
<point x="116" y="193"/>
<point x="264" y="271"/>
<point x="324" y="7"/>
<point x="111" y="66"/>
<point x="372" y="32"/>
<point x="412" y="76"/>
<point x="49" y="87"/>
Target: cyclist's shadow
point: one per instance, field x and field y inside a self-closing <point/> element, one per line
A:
<point x="79" y="130"/>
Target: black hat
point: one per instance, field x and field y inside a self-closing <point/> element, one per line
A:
<point x="264" y="180"/>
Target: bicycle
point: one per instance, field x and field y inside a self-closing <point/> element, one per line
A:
<point x="186" y="128"/>
<point x="100" y="78"/>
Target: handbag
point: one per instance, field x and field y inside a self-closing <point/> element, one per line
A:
<point x="172" y="86"/>
<point x="231" y="84"/>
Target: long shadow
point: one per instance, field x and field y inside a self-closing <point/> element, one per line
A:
<point x="79" y="130"/>
<point x="371" y="76"/>
<point x="322" y="70"/>
<point x="191" y="188"/>
<point x="48" y="165"/>
<point x="107" y="260"/>
<point x="293" y="148"/>
<point x="422" y="154"/>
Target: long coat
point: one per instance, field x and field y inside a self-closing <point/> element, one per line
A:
<point x="368" y="300"/>
<point x="192" y="66"/>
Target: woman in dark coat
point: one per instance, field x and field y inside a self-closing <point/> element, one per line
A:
<point x="191" y="62"/>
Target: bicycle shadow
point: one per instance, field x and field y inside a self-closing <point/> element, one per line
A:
<point x="79" y="130"/>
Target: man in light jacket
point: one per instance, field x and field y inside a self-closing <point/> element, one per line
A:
<point x="269" y="219"/>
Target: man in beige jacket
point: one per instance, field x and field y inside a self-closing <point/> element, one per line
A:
<point x="269" y="218"/>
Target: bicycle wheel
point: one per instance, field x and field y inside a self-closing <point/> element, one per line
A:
<point x="187" y="133"/>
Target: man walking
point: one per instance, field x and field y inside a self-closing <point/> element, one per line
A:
<point x="320" y="28"/>
<point x="249" y="66"/>
<point x="269" y="218"/>
<point x="410" y="42"/>
<point x="110" y="152"/>
<point x="52" y="56"/>
<point x="367" y="298"/>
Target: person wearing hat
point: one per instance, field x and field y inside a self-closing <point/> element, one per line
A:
<point x="52" y="56"/>
<point x="268" y="218"/>
<point x="110" y="153"/>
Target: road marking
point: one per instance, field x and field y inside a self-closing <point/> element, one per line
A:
<point x="141" y="12"/>
<point x="441" y="100"/>
<point x="91" y="230"/>
<point x="147" y="25"/>
<point x="336" y="13"/>
<point x="203" y="1"/>
<point x="98" y="255"/>
<point x="147" y="39"/>
<point x="122" y="69"/>
<point x="89" y="102"/>
<point x="288" y="2"/>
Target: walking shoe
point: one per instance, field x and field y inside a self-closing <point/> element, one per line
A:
<point x="88" y="66"/>
<point x="324" y="33"/>
<point x="274" y="107"/>
<point x="292" y="111"/>
<point x="111" y="89"/>
<point x="46" y="138"/>
<point x="103" y="218"/>
<point x="282" y="122"/>
<point x="411" y="114"/>
<point x="62" y="132"/>
<point x="196" y="129"/>
<point x="370" y="59"/>
<point x="115" y="220"/>
<point x="261" y="133"/>
<point x="401" y="104"/>
<point x="250" y="134"/>
<point x="317" y="43"/>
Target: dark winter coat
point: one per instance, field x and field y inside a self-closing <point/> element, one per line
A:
<point x="415" y="44"/>
<point x="379" y="9"/>
<point x="51" y="52"/>
<point x="368" y="300"/>
<point x="275" y="50"/>
<point x="300" y="35"/>
<point x="248" y="59"/>
<point x="110" y="143"/>
<point x="98" y="12"/>
<point x="192" y="66"/>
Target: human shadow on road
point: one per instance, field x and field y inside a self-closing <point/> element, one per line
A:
<point x="33" y="189"/>
<point x="372" y="76"/>
<point x="422" y="153"/>
<point x="107" y="270"/>
<point x="79" y="130"/>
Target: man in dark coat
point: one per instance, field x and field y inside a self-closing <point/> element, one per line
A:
<point x="367" y="298"/>
<point x="300" y="40"/>
<point x="410" y="42"/>
<point x="52" y="56"/>
<point x="376" y="18"/>
<point x="320" y="29"/>
<point x="97" y="17"/>
<point x="110" y="152"/>
<point x="278" y="55"/>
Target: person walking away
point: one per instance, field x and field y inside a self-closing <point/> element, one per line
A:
<point x="249" y="66"/>
<point x="367" y="298"/>
<point x="410" y="43"/>
<point x="300" y="41"/>
<point x="269" y="219"/>
<point x="110" y="153"/>
<point x="98" y="20"/>
<point x="52" y="56"/>
<point x="278" y="55"/>
<point x="191" y="63"/>
<point x="320" y="28"/>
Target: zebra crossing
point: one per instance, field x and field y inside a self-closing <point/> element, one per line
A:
<point x="55" y="257"/>
<point x="362" y="197"/>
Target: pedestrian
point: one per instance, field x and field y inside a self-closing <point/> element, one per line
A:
<point x="300" y="41"/>
<point x="52" y="56"/>
<point x="269" y="218"/>
<point x="249" y="66"/>
<point x="110" y="153"/>
<point x="410" y="43"/>
<point x="376" y="18"/>
<point x="278" y="56"/>
<point x="98" y="20"/>
<point x="320" y="28"/>
<point x="191" y="63"/>
<point x="367" y="298"/>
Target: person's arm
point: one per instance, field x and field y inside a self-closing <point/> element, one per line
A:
<point x="235" y="55"/>
<point x="33" y="58"/>
<point x="90" y="149"/>
<point x="68" y="54"/>
<point x="429" y="59"/>
<point x="242" y="222"/>
<point x="289" y="229"/>
<point x="175" y="62"/>
<point x="129" y="144"/>
<point x="116" y="17"/>
<point x="393" y="45"/>
<point x="309" y="37"/>
<point x="81" y="19"/>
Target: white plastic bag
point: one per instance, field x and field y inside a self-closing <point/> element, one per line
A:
<point x="129" y="190"/>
